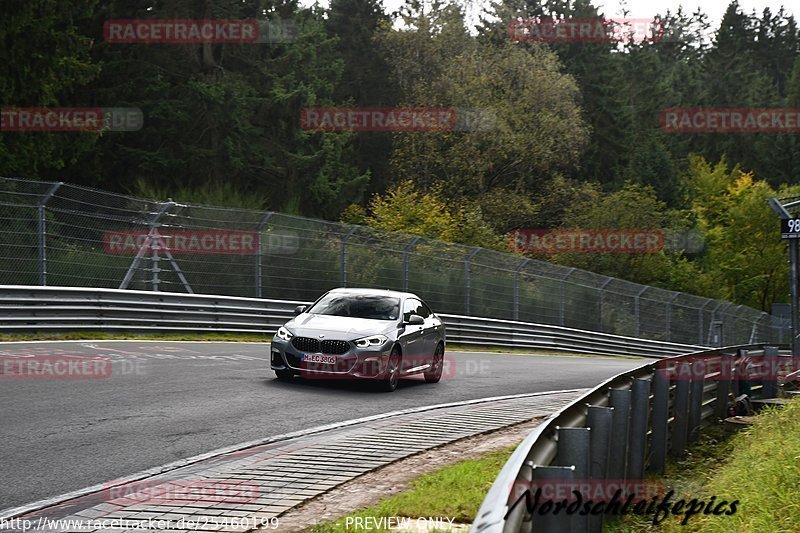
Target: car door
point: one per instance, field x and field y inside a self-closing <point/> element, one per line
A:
<point x="432" y="330"/>
<point x="413" y="336"/>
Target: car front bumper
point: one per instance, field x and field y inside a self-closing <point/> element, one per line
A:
<point x="368" y="363"/>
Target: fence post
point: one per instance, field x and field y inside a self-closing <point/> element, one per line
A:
<point x="658" y="458"/>
<point x="43" y="232"/>
<point x="467" y="283"/>
<point x="637" y="312"/>
<point x="343" y="266"/>
<point x="260" y="250"/>
<point x="602" y="290"/>
<point x="563" y="297"/>
<point x="413" y="242"/>
<point x="669" y="315"/>
<point x="520" y="266"/>
<point x="700" y="323"/>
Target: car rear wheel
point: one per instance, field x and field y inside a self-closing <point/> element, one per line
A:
<point x="392" y="378"/>
<point x="434" y="374"/>
<point x="284" y="375"/>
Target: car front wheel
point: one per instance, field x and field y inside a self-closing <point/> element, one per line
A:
<point x="434" y="374"/>
<point x="392" y="377"/>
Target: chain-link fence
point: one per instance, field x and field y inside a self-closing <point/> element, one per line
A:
<point x="65" y="235"/>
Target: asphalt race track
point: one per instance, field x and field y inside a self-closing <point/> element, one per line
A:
<point x="164" y="401"/>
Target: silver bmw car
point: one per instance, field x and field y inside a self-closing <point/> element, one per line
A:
<point x="361" y="333"/>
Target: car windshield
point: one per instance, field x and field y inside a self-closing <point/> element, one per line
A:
<point x="372" y="306"/>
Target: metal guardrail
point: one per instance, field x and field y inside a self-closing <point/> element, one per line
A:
<point x="622" y="428"/>
<point x="31" y="308"/>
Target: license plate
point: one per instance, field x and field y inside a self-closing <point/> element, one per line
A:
<point x="318" y="358"/>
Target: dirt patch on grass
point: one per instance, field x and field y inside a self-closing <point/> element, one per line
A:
<point x="370" y="488"/>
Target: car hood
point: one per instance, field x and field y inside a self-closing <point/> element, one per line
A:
<point x="338" y="327"/>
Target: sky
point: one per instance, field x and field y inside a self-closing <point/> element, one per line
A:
<point x="645" y="8"/>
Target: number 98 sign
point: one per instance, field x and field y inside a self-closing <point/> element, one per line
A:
<point x="790" y="228"/>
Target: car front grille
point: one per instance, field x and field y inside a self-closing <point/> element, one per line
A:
<point x="335" y="347"/>
<point x="306" y="344"/>
<point x="331" y="347"/>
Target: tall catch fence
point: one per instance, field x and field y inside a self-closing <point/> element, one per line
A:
<point x="64" y="235"/>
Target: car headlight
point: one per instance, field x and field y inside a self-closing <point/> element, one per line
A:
<point x="284" y="334"/>
<point x="374" y="340"/>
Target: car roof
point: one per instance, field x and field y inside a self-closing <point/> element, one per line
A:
<point x="383" y="292"/>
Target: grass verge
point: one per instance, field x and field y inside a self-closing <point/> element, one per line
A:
<point x="453" y="492"/>
<point x="759" y="467"/>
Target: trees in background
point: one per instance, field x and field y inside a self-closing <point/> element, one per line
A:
<point x="561" y="134"/>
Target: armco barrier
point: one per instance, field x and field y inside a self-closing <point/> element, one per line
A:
<point x="619" y="430"/>
<point x="31" y="308"/>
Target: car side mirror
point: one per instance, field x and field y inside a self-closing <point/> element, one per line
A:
<point x="415" y="320"/>
<point x="299" y="309"/>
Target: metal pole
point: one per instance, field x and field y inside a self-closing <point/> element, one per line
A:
<point x="700" y="323"/>
<point x="562" y="311"/>
<point x="573" y="450"/>
<point x="637" y="313"/>
<point x="467" y="284"/>
<point x="599" y="420"/>
<point x="343" y="271"/>
<point x="550" y="477"/>
<point x="260" y="250"/>
<point x="42" y="232"/>
<point x="520" y="266"/>
<point x="154" y="246"/>
<point x="602" y="302"/>
<point x="669" y="315"/>
<point x="413" y="242"/>
<point x="794" y="257"/>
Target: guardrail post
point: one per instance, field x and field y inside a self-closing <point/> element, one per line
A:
<point x="343" y="258"/>
<point x="42" y="222"/>
<point x="467" y="283"/>
<point x="621" y="402"/>
<point x="680" y="409"/>
<point x="573" y="450"/>
<point x="413" y="242"/>
<point x="520" y="266"/>
<point x="640" y="409"/>
<point x="769" y="385"/>
<point x="599" y="420"/>
<point x="724" y="380"/>
<point x="658" y="457"/>
<point x="696" y="405"/>
<point x="260" y="250"/>
<point x="552" y="476"/>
